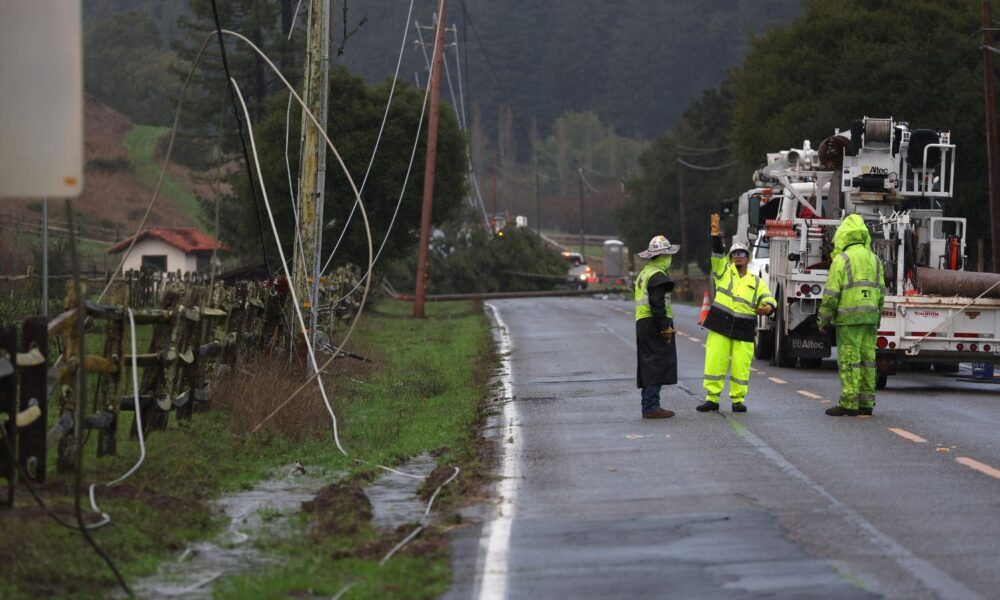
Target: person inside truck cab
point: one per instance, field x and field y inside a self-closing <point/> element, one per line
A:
<point x="732" y="323"/>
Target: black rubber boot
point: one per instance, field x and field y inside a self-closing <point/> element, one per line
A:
<point x="866" y="412"/>
<point x="739" y="407"/>
<point x="707" y="406"/>
<point x="840" y="411"/>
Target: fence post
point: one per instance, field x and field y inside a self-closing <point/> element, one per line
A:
<point x="31" y="448"/>
<point x="153" y="377"/>
<point x="8" y="406"/>
<point x="185" y="369"/>
<point x="110" y="386"/>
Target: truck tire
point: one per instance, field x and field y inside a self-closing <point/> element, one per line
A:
<point x="881" y="381"/>
<point x="763" y="348"/>
<point x="781" y="357"/>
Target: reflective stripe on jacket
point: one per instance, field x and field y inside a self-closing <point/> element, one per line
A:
<point x="733" y="312"/>
<point x="658" y="264"/>
<point x="855" y="286"/>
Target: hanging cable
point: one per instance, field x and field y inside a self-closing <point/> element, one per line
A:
<point x="693" y="150"/>
<point x="284" y="263"/>
<point x="378" y="139"/>
<point x="243" y="144"/>
<point x="486" y="55"/>
<point x="137" y="410"/>
<point x="81" y="392"/>
<point x="295" y="14"/>
<point x="701" y="168"/>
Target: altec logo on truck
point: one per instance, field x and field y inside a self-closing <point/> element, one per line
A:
<point x="897" y="180"/>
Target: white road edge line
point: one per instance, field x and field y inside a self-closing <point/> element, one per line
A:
<point x="494" y="544"/>
<point x="923" y="570"/>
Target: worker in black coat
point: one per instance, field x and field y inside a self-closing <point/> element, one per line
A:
<point x="654" y="327"/>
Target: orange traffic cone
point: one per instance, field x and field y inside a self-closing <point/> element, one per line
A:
<point x="704" y="309"/>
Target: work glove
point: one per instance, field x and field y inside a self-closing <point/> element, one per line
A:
<point x="764" y="309"/>
<point x="668" y="334"/>
<point x="716" y="228"/>
<point x="821" y="327"/>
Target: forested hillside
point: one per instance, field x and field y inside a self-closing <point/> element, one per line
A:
<point x="636" y="63"/>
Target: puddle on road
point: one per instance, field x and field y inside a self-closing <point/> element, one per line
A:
<point x="394" y="497"/>
<point x="255" y="513"/>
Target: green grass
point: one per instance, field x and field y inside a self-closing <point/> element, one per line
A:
<point x="140" y="143"/>
<point x="424" y="393"/>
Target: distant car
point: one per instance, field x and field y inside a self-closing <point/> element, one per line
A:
<point x="580" y="273"/>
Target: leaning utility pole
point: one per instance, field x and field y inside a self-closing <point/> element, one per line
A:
<point x="312" y="168"/>
<point x="991" y="137"/>
<point x="429" y="164"/>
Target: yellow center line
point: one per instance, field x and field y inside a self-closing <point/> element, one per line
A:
<point x="906" y="435"/>
<point x="978" y="466"/>
<point x="809" y="394"/>
<point x="777" y="380"/>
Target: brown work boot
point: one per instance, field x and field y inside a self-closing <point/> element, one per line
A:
<point x="659" y="413"/>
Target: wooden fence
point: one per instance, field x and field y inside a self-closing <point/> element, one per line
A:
<point x="197" y="332"/>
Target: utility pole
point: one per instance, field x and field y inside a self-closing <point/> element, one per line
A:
<point x="45" y="257"/>
<point x="583" y="236"/>
<point x="538" y="199"/>
<point x="991" y="137"/>
<point x="312" y="170"/>
<point x="493" y="197"/>
<point x="429" y="164"/>
<point x="686" y="281"/>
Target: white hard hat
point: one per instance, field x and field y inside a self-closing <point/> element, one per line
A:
<point x="659" y="245"/>
<point x="739" y="247"/>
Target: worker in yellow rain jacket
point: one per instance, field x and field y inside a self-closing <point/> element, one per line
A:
<point x="732" y="323"/>
<point x="852" y="301"/>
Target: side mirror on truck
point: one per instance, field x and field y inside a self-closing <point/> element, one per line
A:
<point x="753" y="210"/>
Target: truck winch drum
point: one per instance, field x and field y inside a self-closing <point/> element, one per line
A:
<point x="942" y="282"/>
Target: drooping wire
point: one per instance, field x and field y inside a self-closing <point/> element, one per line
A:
<point x="482" y="49"/>
<point x="163" y="171"/>
<point x="137" y="409"/>
<point x="284" y="266"/>
<point x="81" y="393"/>
<point x="378" y="139"/>
<point x="243" y="143"/>
<point x="423" y="520"/>
<point x="295" y="14"/>
<point x="364" y="216"/>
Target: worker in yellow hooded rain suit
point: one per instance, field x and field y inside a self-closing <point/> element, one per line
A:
<point x="852" y="301"/>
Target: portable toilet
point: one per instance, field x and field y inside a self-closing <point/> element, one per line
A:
<point x="614" y="261"/>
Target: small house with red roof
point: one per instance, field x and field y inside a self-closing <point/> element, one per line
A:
<point x="184" y="249"/>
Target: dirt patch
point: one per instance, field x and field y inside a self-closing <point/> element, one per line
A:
<point x="338" y="509"/>
<point x="112" y="198"/>
<point x="436" y="479"/>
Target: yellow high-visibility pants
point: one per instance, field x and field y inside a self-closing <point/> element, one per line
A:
<point x="724" y="354"/>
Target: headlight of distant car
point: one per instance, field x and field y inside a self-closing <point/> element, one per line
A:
<point x="583" y="276"/>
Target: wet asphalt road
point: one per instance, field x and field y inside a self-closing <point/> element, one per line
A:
<point x="779" y="502"/>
